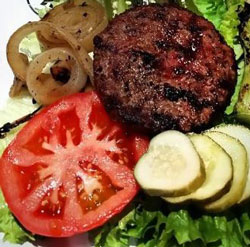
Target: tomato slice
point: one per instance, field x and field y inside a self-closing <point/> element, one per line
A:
<point x="69" y="169"/>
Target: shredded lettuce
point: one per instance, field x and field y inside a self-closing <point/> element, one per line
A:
<point x="151" y="225"/>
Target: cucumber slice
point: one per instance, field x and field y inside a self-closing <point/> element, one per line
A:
<point x="243" y="135"/>
<point x="171" y="167"/>
<point x="239" y="158"/>
<point x="218" y="168"/>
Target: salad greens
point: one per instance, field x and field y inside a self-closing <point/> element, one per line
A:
<point x="212" y="10"/>
<point x="14" y="233"/>
<point x="121" y="6"/>
<point x="229" y="26"/>
<point x="243" y="104"/>
<point x="151" y="222"/>
<point x="229" y="30"/>
<point x="48" y="5"/>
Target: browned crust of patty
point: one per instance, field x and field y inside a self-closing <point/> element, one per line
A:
<point x="163" y="67"/>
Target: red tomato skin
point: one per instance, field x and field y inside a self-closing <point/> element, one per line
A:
<point x="120" y="175"/>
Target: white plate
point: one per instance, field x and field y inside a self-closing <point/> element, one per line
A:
<point x="13" y="14"/>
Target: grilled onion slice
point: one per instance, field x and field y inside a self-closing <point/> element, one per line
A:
<point x="19" y="62"/>
<point x="83" y="19"/>
<point x="65" y="77"/>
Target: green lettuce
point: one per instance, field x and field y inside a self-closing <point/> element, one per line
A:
<point x="151" y="224"/>
<point x="229" y="25"/>
<point x="243" y="104"/>
<point x="47" y="6"/>
<point x="234" y="99"/>
<point x="14" y="109"/>
<point x="230" y="31"/>
<point x="114" y="7"/>
<point x="213" y="10"/>
<point x="13" y="232"/>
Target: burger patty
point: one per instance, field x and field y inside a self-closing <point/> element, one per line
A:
<point x="163" y="67"/>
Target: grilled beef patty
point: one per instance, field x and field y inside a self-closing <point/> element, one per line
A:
<point x="163" y="67"/>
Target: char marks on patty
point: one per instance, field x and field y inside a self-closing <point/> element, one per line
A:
<point x="162" y="67"/>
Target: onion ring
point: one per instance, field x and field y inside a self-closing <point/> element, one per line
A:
<point x="82" y="18"/>
<point x="19" y="62"/>
<point x="44" y="87"/>
<point x="16" y="87"/>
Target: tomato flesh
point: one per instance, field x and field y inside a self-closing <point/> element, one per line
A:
<point x="70" y="168"/>
<point x="93" y="199"/>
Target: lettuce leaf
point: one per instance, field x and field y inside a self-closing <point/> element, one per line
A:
<point x="150" y="225"/>
<point x="243" y="104"/>
<point x="13" y="232"/>
<point x="234" y="99"/>
<point x="14" y="109"/>
<point x="213" y="10"/>
<point x="48" y="5"/>
<point x="230" y="31"/>
<point x="229" y="25"/>
<point x="114" y="7"/>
